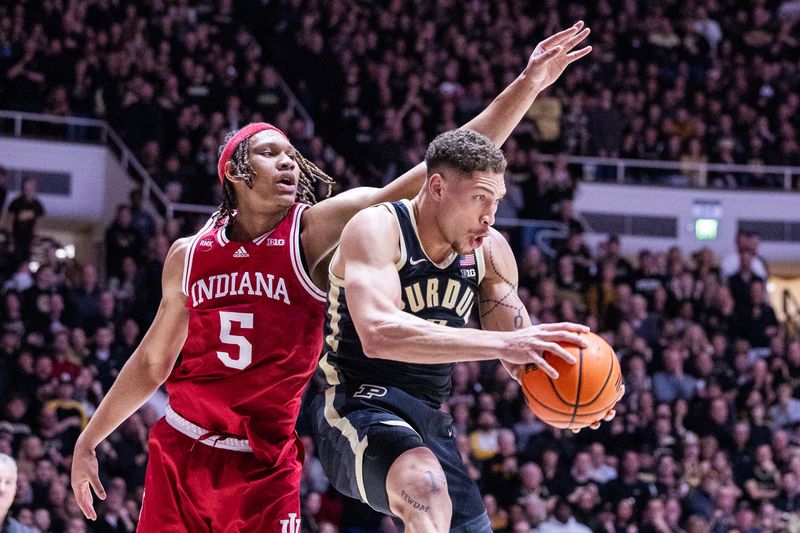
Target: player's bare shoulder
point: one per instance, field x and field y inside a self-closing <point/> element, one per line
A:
<point x="376" y="222"/>
<point x="371" y="236"/>
<point x="174" y="264"/>
<point x="498" y="258"/>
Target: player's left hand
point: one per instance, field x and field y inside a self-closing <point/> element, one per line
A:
<point x="609" y="415"/>
<point x="554" y="54"/>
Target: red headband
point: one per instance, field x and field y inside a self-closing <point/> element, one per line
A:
<point x="242" y="134"/>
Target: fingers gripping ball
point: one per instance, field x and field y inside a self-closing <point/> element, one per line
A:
<point x="583" y="393"/>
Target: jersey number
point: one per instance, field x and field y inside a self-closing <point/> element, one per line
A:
<point x="245" y="321"/>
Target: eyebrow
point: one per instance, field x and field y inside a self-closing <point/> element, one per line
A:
<point x="272" y="144"/>
<point x="491" y="190"/>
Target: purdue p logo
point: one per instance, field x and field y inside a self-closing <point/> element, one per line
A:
<point x="369" y="391"/>
<point x="291" y="524"/>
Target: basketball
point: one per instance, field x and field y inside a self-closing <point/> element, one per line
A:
<point x="583" y="393"/>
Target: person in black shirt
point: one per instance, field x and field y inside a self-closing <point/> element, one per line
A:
<point x="24" y="213"/>
<point x="3" y="188"/>
<point x="122" y="240"/>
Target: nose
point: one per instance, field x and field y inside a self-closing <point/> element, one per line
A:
<point x="488" y="218"/>
<point x="285" y="162"/>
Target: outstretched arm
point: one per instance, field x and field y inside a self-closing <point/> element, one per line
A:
<point x="143" y="373"/>
<point x="323" y="223"/>
<point x="366" y="259"/>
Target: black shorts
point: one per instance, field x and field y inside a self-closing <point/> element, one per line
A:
<point x="359" y="431"/>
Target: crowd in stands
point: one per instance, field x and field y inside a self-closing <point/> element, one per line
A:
<point x="687" y="80"/>
<point x="171" y="77"/>
<point x="682" y="80"/>
<point x="707" y="438"/>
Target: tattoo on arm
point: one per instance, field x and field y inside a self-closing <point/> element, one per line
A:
<point x="509" y="300"/>
<point x="416" y="505"/>
<point x="434" y="488"/>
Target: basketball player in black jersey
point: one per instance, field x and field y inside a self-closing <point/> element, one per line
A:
<point x="403" y="283"/>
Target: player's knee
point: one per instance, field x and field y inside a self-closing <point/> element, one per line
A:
<point x="417" y="484"/>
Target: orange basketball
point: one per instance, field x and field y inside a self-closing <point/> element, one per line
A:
<point x="583" y="392"/>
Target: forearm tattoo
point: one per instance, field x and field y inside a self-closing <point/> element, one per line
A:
<point x="509" y="300"/>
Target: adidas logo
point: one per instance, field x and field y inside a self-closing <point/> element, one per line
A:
<point x="241" y="252"/>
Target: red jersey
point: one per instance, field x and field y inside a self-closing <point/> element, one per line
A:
<point x="255" y="335"/>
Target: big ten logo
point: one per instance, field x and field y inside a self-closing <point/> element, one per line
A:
<point x="370" y="391"/>
<point x="276" y="242"/>
<point x="291" y="524"/>
<point x="206" y="244"/>
<point x="467" y="272"/>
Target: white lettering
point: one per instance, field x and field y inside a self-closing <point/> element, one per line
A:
<point x="233" y="284"/>
<point x="281" y="290"/>
<point x="239" y="284"/>
<point x="261" y="283"/>
<point x="245" y="283"/>
<point x="450" y="294"/>
<point x="220" y="291"/>
<point x="206" y="291"/>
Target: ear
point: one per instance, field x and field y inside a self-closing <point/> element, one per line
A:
<point x="230" y="173"/>
<point x="436" y="185"/>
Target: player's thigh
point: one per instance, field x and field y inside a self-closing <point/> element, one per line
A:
<point x="259" y="498"/>
<point x="416" y="482"/>
<point x="172" y="488"/>
<point x="357" y="449"/>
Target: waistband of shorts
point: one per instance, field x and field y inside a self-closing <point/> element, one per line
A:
<point x="203" y="435"/>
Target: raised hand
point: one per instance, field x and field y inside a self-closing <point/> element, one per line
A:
<point x="554" y="54"/>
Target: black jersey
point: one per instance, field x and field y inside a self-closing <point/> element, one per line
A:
<point x="443" y="294"/>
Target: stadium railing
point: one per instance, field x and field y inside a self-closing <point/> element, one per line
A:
<point x="85" y="130"/>
<point x="601" y="169"/>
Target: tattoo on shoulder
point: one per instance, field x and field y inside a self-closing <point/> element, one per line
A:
<point x="509" y="300"/>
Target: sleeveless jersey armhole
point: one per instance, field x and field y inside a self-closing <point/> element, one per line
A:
<point x="401" y="262"/>
<point x="479" y="260"/>
<point x="298" y="260"/>
<point x="189" y="257"/>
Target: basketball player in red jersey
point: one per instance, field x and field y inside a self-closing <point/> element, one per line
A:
<point x="242" y="303"/>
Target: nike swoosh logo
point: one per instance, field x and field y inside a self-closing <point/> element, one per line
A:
<point x="418" y="261"/>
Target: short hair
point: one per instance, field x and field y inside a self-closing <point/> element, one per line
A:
<point x="9" y="461"/>
<point x="465" y="151"/>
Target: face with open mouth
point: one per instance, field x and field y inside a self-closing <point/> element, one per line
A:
<point x="276" y="172"/>
<point x="468" y="207"/>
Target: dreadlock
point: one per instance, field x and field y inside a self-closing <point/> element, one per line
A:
<point x="310" y="177"/>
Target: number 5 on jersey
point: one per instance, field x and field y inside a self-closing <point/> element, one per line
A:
<point x="245" y="321"/>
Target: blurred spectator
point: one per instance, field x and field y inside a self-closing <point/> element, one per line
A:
<point x="8" y="489"/>
<point x="562" y="521"/>
<point x="3" y="188"/>
<point x="24" y="213"/>
<point x="122" y="240"/>
<point x="672" y="383"/>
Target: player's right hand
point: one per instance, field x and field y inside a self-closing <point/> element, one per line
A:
<point x="529" y="345"/>
<point x="85" y="474"/>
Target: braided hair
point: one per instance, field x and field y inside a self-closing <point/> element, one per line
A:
<point x="310" y="176"/>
